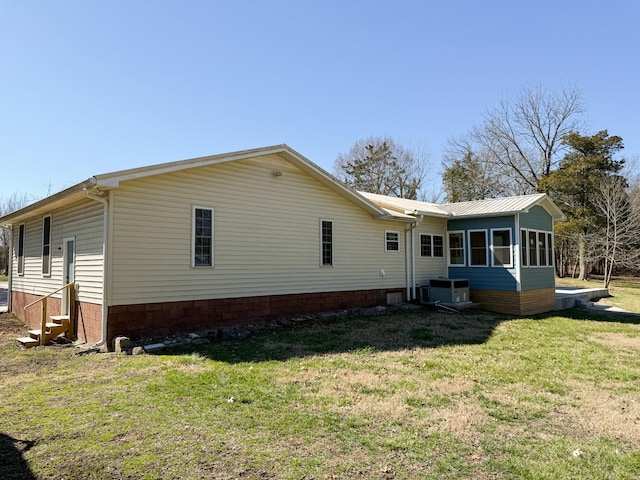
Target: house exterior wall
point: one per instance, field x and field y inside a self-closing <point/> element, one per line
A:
<point x="530" y="302"/>
<point x="430" y="267"/>
<point x="514" y="290"/>
<point x="534" y="278"/>
<point x="266" y="236"/>
<point x="143" y="321"/>
<point x="498" y="278"/>
<point x="82" y="221"/>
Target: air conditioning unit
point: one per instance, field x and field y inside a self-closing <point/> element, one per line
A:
<point x="449" y="290"/>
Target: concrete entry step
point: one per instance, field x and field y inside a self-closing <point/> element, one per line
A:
<point x="568" y="297"/>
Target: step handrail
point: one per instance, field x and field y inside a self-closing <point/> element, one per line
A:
<point x="49" y="294"/>
<point x="43" y="319"/>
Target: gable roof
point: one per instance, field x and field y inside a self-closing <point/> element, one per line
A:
<point x="107" y="181"/>
<point x="379" y="206"/>
<point x="476" y="208"/>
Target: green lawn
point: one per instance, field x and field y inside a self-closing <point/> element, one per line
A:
<point x="418" y="395"/>
<point x="3" y="278"/>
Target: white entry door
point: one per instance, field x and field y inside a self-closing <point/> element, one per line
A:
<point x="68" y="269"/>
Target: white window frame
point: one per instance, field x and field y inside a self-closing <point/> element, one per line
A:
<point x="486" y="248"/>
<point x="524" y="248"/>
<point x="463" y="248"/>
<point x="432" y="245"/>
<point x="510" y="246"/>
<point x="322" y="242"/>
<point x="430" y="237"/>
<point x="193" y="236"/>
<point x="534" y="234"/>
<point x="46" y="247"/>
<point x="387" y="241"/>
<point x="548" y="250"/>
<point x="20" y="250"/>
<point x="543" y="251"/>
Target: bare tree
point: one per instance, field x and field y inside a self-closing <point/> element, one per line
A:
<point x="617" y="244"/>
<point x="8" y="205"/>
<point x="521" y="138"/>
<point x="381" y="165"/>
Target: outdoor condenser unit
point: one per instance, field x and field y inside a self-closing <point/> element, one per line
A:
<point x="449" y="290"/>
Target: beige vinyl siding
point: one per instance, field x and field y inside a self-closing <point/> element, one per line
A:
<point x="266" y="236"/>
<point x="82" y="221"/>
<point x="430" y="267"/>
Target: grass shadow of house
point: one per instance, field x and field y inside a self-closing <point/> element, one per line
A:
<point x="423" y="329"/>
<point x="12" y="462"/>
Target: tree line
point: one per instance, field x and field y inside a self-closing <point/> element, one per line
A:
<point x="535" y="141"/>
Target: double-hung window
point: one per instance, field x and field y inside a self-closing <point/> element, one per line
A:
<point x="478" y="248"/>
<point x="202" y="237"/>
<point x="391" y="241"/>
<point x="21" y="249"/>
<point x="501" y="248"/>
<point x="456" y="249"/>
<point x="431" y="245"/>
<point x="46" y="245"/>
<point x="326" y="243"/>
<point x="425" y="246"/>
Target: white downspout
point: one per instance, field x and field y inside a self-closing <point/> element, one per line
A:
<point x="10" y="268"/>
<point x="516" y="254"/>
<point x="407" y="261"/>
<point x="105" y="250"/>
<point x="410" y="260"/>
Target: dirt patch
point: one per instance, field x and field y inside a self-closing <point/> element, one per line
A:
<point x="11" y="328"/>
<point x="597" y="413"/>
<point x="616" y="340"/>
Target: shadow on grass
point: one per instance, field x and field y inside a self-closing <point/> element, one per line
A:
<point x="420" y="329"/>
<point x="12" y="463"/>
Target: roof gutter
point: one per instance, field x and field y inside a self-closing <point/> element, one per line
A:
<point x="7" y="219"/>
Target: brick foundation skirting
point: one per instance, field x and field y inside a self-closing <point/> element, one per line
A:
<point x="88" y="315"/>
<point x="529" y="302"/>
<point x="162" y="319"/>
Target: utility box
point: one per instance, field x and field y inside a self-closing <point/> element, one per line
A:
<point x="448" y="290"/>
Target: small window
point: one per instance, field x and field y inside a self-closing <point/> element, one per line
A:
<point x="425" y="245"/>
<point x="21" y="249"/>
<point x="431" y="245"/>
<point x="456" y="248"/>
<point x="478" y="248"/>
<point x="533" y="249"/>
<point x="46" y="245"/>
<point x="202" y="237"/>
<point x="524" y="256"/>
<point x="326" y="243"/>
<point x="542" y="249"/>
<point x="438" y="246"/>
<point x="392" y="241"/>
<point x="501" y="246"/>
<point x="550" y="249"/>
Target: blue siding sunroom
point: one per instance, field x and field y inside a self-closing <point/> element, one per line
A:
<point x="490" y="277"/>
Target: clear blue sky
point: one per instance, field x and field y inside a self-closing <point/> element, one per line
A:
<point x="94" y="86"/>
